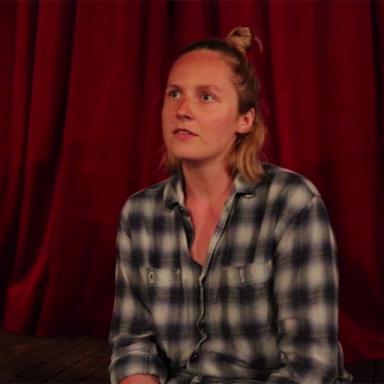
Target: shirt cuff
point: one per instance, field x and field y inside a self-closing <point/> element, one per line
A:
<point x="137" y="363"/>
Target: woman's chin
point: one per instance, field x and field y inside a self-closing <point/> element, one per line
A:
<point x="185" y="156"/>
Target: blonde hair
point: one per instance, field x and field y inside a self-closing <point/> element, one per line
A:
<point x="245" y="155"/>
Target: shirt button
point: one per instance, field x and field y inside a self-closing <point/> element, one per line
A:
<point x="193" y="358"/>
<point x="203" y="326"/>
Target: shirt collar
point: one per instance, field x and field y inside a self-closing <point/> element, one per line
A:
<point x="244" y="187"/>
<point x="174" y="189"/>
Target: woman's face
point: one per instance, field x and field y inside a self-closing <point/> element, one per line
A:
<point x="200" y="112"/>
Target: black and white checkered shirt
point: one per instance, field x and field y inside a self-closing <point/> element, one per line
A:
<point x="262" y="309"/>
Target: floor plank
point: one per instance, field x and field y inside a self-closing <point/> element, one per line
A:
<point x="26" y="359"/>
<point x="30" y="359"/>
<point x="379" y="371"/>
<point x="89" y="370"/>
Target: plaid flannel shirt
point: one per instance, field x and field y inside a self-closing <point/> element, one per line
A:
<point x="262" y="309"/>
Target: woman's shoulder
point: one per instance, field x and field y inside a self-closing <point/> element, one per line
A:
<point x="287" y="192"/>
<point x="152" y="191"/>
<point x="288" y="181"/>
<point x="146" y="198"/>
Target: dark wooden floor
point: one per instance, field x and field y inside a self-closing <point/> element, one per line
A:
<point x="367" y="372"/>
<point x="29" y="359"/>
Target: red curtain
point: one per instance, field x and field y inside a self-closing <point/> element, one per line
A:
<point x="80" y="96"/>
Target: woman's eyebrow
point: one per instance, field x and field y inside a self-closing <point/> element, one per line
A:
<point x="209" y="86"/>
<point x="170" y="85"/>
<point x="199" y="87"/>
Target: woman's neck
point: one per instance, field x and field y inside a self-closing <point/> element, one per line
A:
<point x="209" y="183"/>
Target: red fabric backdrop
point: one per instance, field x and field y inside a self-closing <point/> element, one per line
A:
<point x="80" y="95"/>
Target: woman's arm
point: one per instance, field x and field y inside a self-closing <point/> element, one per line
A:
<point x="142" y="379"/>
<point x="132" y="335"/>
<point x="306" y="294"/>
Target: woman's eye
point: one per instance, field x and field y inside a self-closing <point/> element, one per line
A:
<point x="173" y="94"/>
<point x="207" y="97"/>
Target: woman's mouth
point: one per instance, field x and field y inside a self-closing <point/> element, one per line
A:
<point x="183" y="134"/>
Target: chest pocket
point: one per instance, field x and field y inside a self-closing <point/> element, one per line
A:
<point x="255" y="274"/>
<point x="163" y="285"/>
<point x="246" y="290"/>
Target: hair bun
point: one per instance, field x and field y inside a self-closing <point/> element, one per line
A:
<point x="242" y="39"/>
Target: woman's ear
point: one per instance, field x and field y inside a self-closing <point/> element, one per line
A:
<point x="245" y="121"/>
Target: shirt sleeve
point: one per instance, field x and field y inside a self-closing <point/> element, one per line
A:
<point x="306" y="294"/>
<point x="132" y="336"/>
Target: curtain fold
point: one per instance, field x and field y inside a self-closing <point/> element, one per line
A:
<point x="80" y="100"/>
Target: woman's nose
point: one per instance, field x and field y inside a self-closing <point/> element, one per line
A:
<point x="183" y="111"/>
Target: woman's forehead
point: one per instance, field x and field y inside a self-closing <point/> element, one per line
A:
<point x="208" y="66"/>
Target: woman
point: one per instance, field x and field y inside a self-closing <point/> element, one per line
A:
<point x="226" y="271"/>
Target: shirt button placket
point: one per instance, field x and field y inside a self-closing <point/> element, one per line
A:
<point x="193" y="358"/>
<point x="203" y="327"/>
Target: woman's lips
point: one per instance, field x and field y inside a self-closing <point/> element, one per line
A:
<point x="183" y="134"/>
